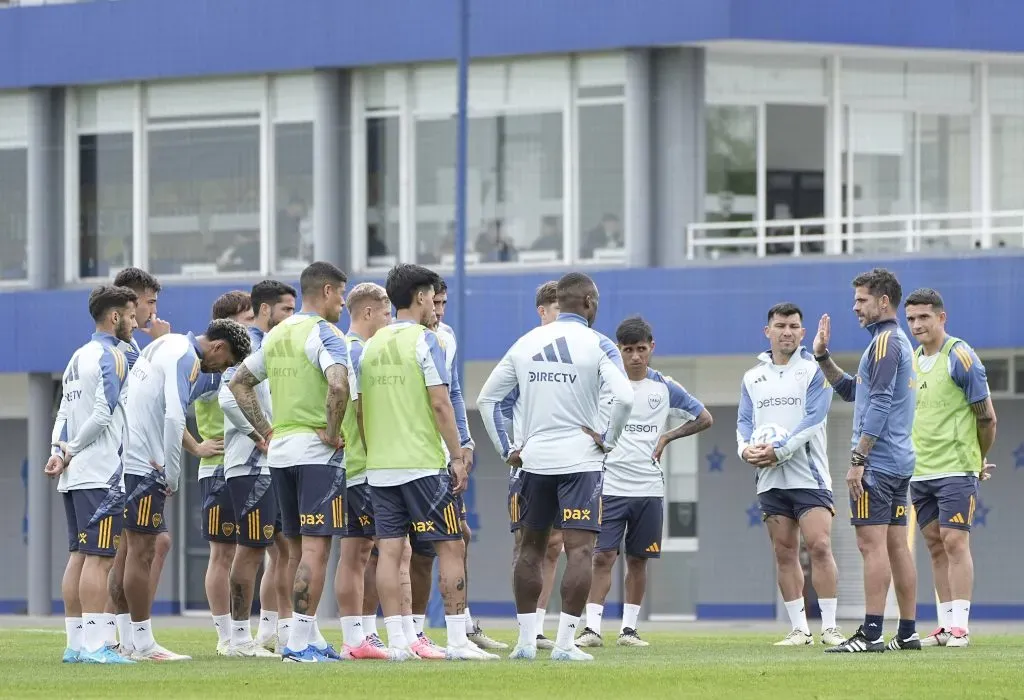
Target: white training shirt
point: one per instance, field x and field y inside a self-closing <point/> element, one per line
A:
<point x="630" y="469"/>
<point x="207" y="389"/>
<point x="795" y="396"/>
<point x="556" y="372"/>
<point x="161" y="385"/>
<point x="325" y="347"/>
<point x="91" y="417"/>
<point x="241" y="458"/>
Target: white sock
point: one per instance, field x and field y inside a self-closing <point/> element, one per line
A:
<point x="418" y="621"/>
<point x="409" y="628"/>
<point x="456" y="625"/>
<point x="396" y="633"/>
<point x="352" y="630"/>
<point x="595" y="611"/>
<point x="315" y="637"/>
<point x="370" y="625"/>
<point x="828" y="613"/>
<point x="92" y="639"/>
<point x="302" y="630"/>
<point x="470" y="625"/>
<point x="142" y="635"/>
<point x="268" y="624"/>
<point x="124" y="631"/>
<point x="223" y="625"/>
<point x="73" y="628"/>
<point x="798" y="615"/>
<point x="241" y="632"/>
<point x="567" y="625"/>
<point x="539" y="625"/>
<point x="630" y="613"/>
<point x="945" y="613"/>
<point x="527" y="629"/>
<point x="284" y="629"/>
<point x="961" y="613"/>
<point x="109" y="630"/>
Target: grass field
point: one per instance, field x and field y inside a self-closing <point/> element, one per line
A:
<point x="676" y="665"/>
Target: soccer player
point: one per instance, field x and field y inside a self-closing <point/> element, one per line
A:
<point x="90" y="432"/>
<point x="558" y="371"/>
<point x="253" y="500"/>
<point x="408" y="420"/>
<point x="306" y="361"/>
<point x="370" y="310"/>
<point x="794" y="487"/>
<point x="882" y="459"/>
<point x="633" y="501"/>
<point x="162" y="383"/>
<point x="546" y="303"/>
<point x="954" y="429"/>
<point x="218" y="522"/>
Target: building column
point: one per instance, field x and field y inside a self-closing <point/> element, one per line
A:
<point x="40" y="489"/>
<point x="331" y="167"/>
<point x="638" y="220"/>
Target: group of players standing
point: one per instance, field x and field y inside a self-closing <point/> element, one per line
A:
<point x="923" y="424"/>
<point x="306" y="433"/>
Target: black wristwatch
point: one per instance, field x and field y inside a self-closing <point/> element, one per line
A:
<point x="822" y="358"/>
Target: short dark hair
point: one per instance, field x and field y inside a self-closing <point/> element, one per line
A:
<point x="233" y="333"/>
<point x="137" y="280"/>
<point x="107" y="297"/>
<point x="785" y="309"/>
<point x="880" y="282"/>
<point x="634" y="330"/>
<point x="441" y="287"/>
<point x="547" y="294"/>
<point x="231" y="304"/>
<point x="925" y="296"/>
<point x="405" y="280"/>
<point x="269" y="292"/>
<point x="573" y="287"/>
<point x="319" y="273"/>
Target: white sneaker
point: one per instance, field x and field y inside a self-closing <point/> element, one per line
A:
<point x="573" y="654"/>
<point x="938" y="638"/>
<point x="797" y="638"/>
<point x="125" y="650"/>
<point x="629" y="637"/>
<point x="482" y="641"/>
<point x="268" y="642"/>
<point x="222" y="647"/>
<point x="958" y="641"/>
<point x="158" y="653"/>
<point x="832" y="637"/>
<point x="250" y="650"/>
<point x="589" y="638"/>
<point x="524" y="653"/>
<point x="400" y="654"/>
<point x="544" y="643"/>
<point x="468" y="652"/>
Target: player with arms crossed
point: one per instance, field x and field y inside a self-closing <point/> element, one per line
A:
<point x="88" y="437"/>
<point x="559" y="370"/>
<point x="882" y="459"/>
<point x="162" y="384"/>
<point x="253" y="499"/>
<point x="408" y="421"/>
<point x="794" y="487"/>
<point x="306" y="361"/>
<point x="634" y="484"/>
<point x="954" y="429"/>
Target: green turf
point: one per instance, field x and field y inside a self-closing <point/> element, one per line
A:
<point x="676" y="665"/>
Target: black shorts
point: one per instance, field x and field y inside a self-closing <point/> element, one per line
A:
<point x="218" y="512"/>
<point x="884" y="501"/>
<point x="514" y="484"/>
<point x="144" y="508"/>
<point x="254" y="500"/>
<point x="423" y="507"/>
<point x="311" y="499"/>
<point x="94" y="518"/>
<point x="566" y="501"/>
<point x="360" y="512"/>
<point x="793" y="503"/>
<point x="951" y="499"/>
<point x="639" y="519"/>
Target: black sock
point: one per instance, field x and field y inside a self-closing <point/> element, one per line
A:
<point x="907" y="629"/>
<point x="873" y="627"/>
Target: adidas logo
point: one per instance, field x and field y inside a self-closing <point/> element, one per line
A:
<point x="549" y="353"/>
<point x="958" y="519"/>
<point x="91" y="622"/>
<point x="266" y="619"/>
<point x="923" y="385"/>
<point x="654" y="548"/>
<point x="760" y="379"/>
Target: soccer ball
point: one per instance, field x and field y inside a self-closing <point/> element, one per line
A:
<point x="769" y="434"/>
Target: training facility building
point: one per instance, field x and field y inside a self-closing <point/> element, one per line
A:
<point x="703" y="159"/>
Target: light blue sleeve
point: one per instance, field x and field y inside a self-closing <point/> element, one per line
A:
<point x="680" y="402"/>
<point x="744" y="420"/>
<point x="609" y="348"/>
<point x="436" y="357"/>
<point x="816" y="404"/>
<point x="968" y="372"/>
<point x="459" y="404"/>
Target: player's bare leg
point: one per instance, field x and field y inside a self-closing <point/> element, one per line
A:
<point x="904" y="577"/>
<point x="473" y="631"/>
<point x="391" y="590"/>
<point x="816" y="528"/>
<point x="117" y="604"/>
<point x="138" y="592"/>
<point x="551" y="556"/>
<point x="527" y="584"/>
<point x="871" y="540"/>
<point x="245" y="565"/>
<point x="307" y="588"/>
<point x="957" y="545"/>
<point x="784" y="534"/>
<point x="421" y="573"/>
<point x="348" y="586"/>
<point x="266" y="633"/>
<point x="636" y="587"/>
<point x="219" y="592"/>
<point x="940" y="575"/>
<point x="69" y="587"/>
<point x="283" y="576"/>
<point x="371" y="602"/>
<point x="451" y="555"/>
<point x="579" y="570"/>
<point x="161" y="548"/>
<point x="604" y="564"/>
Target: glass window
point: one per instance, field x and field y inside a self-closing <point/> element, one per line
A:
<point x="293" y="196"/>
<point x="730" y="183"/>
<point x="105" y="204"/>
<point x="998" y="372"/>
<point x="383" y="218"/>
<point x="514" y="189"/>
<point x="13" y="213"/>
<point x="204" y="200"/>
<point x="1007" y="174"/>
<point x="602" y="180"/>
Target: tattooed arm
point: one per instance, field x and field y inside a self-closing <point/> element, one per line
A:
<point x="985" y="414"/>
<point x="243" y="388"/>
<point x="337" y="397"/>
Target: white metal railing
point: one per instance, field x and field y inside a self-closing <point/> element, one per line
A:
<point x="904" y="233"/>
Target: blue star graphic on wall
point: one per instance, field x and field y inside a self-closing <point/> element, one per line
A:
<point x="754" y="515"/>
<point x="715" y="460"/>
<point x="1018" y="457"/>
<point x="981" y="514"/>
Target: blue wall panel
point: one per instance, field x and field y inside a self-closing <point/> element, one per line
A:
<point x="713" y="310"/>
